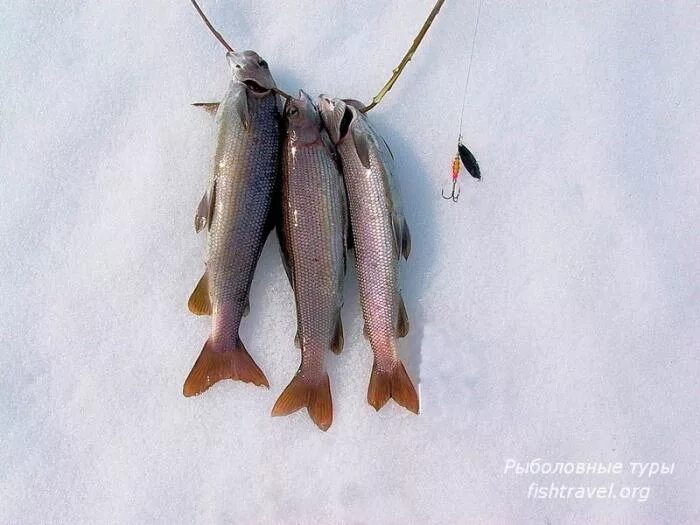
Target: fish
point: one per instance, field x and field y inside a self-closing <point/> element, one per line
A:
<point x="312" y="233"/>
<point x="235" y="211"/>
<point x="380" y="236"/>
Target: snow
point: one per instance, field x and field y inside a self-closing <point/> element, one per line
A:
<point x="554" y="309"/>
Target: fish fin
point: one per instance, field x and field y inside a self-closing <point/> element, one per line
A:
<point x="214" y="364"/>
<point x="212" y="203"/>
<point x="388" y="149"/>
<point x="396" y="384"/>
<point x="201" y="217"/>
<point x="202" y="214"/>
<point x="469" y="161"/>
<point x="398" y="234"/>
<point x="297" y="339"/>
<point x="347" y="226"/>
<point x="402" y="324"/>
<point x="209" y="107"/>
<point x="200" y="301"/>
<point x="338" y="338"/>
<point x="354" y="103"/>
<point x="287" y="267"/>
<point x="328" y="144"/>
<point x="316" y="397"/>
<point x="406" y="241"/>
<point x="362" y="146"/>
<point x="205" y="210"/>
<point x="241" y="108"/>
<point x="402" y="236"/>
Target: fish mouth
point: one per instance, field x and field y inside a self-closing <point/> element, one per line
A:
<point x="256" y="88"/>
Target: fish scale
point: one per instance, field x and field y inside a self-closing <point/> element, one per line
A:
<point x="380" y="237"/>
<point x="312" y="236"/>
<point x="244" y="181"/>
<point x="375" y="256"/>
<point x="236" y="212"/>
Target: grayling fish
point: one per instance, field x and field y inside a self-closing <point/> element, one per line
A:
<point x="312" y="233"/>
<point x="235" y="210"/>
<point x="380" y="236"/>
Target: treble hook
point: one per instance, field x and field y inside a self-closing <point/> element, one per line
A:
<point x="455" y="177"/>
<point x="452" y="196"/>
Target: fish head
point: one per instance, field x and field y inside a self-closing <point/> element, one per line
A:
<point x="252" y="70"/>
<point x="337" y="115"/>
<point x="302" y="119"/>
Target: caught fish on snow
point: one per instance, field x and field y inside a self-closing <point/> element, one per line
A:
<point x="235" y="211"/>
<point x="312" y="231"/>
<point x="381" y="237"/>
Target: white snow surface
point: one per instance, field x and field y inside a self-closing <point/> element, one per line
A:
<point x="554" y="309"/>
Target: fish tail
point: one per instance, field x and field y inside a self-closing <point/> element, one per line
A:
<point x="315" y="396"/>
<point x="215" y="364"/>
<point x="394" y="383"/>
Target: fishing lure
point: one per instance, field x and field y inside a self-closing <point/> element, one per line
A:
<point x="463" y="154"/>
<point x="465" y="158"/>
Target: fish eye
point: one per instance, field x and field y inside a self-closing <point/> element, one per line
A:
<point x="262" y="63"/>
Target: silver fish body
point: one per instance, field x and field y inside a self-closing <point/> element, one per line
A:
<point x="236" y="211"/>
<point x="380" y="237"/>
<point x="312" y="233"/>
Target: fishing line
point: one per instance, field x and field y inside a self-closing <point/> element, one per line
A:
<point x="469" y="67"/>
<point x="395" y="74"/>
<point x="463" y="154"/>
<point x="211" y="27"/>
<point x="221" y="39"/>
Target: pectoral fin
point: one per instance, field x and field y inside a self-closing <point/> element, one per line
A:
<point x="328" y="143"/>
<point x="201" y="217"/>
<point x="362" y="146"/>
<point x="205" y="210"/>
<point x="241" y="108"/>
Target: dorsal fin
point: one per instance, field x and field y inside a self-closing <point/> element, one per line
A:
<point x="209" y="107"/>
